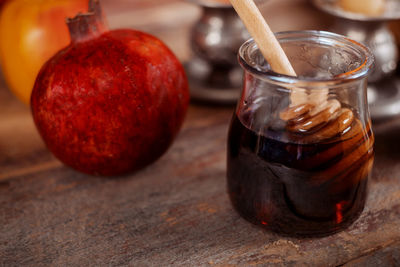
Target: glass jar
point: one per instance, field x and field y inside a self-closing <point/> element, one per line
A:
<point x="300" y="149"/>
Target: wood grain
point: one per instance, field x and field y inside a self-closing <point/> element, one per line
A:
<point x="174" y="212"/>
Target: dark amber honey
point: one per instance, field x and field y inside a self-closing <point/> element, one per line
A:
<point x="298" y="188"/>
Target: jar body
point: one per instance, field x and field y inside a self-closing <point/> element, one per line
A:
<point x="300" y="150"/>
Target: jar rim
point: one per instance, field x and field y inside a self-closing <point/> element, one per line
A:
<point x="356" y="74"/>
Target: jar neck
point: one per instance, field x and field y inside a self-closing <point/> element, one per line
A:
<point x="332" y="60"/>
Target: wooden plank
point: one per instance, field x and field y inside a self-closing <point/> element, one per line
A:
<point x="386" y="256"/>
<point x="174" y="212"/>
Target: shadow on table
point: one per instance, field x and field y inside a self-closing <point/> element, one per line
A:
<point x="387" y="150"/>
<point x="387" y="138"/>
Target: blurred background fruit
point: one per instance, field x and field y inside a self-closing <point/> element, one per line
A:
<point x="366" y="7"/>
<point x="2" y="2"/>
<point x="31" y="31"/>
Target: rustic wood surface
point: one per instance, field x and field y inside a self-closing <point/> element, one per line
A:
<point x="174" y="212"/>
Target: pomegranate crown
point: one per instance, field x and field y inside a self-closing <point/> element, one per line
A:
<point x="86" y="26"/>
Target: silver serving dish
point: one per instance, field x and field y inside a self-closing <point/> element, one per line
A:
<point x="213" y="72"/>
<point x="384" y="87"/>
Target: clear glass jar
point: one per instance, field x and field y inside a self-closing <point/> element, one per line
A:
<point x="300" y="149"/>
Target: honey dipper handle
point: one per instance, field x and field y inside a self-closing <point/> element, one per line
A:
<point x="268" y="44"/>
<point x="263" y="36"/>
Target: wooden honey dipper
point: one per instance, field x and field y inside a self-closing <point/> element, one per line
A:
<point x="306" y="111"/>
<point x="350" y="157"/>
<point x="318" y="123"/>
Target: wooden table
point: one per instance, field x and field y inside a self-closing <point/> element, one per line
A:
<point x="174" y="212"/>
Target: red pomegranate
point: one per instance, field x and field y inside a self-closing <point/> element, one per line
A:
<point x="112" y="101"/>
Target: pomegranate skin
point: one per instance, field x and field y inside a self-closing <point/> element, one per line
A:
<point x="110" y="105"/>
